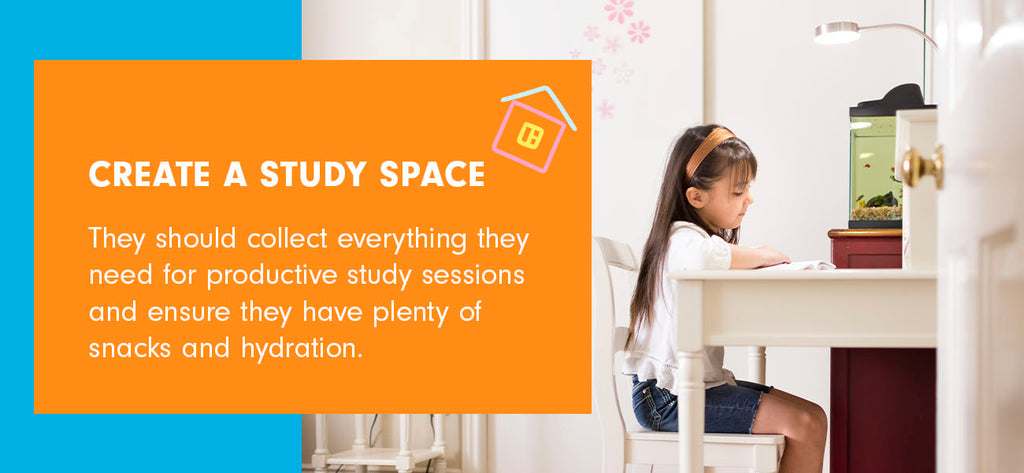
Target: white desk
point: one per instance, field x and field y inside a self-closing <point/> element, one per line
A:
<point x="842" y="308"/>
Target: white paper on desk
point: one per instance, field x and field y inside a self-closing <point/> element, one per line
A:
<point x="814" y="265"/>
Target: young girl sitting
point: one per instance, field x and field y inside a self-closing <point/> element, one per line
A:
<point x="703" y="198"/>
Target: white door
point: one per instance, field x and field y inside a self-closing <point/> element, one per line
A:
<point x="980" y="91"/>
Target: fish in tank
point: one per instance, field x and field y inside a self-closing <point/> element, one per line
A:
<point x="876" y="196"/>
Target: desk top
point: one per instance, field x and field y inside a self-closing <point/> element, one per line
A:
<point x="840" y="308"/>
<point x="782" y="275"/>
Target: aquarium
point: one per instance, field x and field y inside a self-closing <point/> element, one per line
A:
<point x="876" y="197"/>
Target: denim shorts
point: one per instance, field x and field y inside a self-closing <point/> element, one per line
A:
<point x="728" y="409"/>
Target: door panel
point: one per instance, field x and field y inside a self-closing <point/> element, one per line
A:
<point x="981" y="235"/>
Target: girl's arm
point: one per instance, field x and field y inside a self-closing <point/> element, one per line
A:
<point x="744" y="257"/>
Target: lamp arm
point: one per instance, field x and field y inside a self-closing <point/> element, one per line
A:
<point x="905" y="27"/>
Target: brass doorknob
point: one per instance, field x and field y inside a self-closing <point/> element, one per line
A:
<point x="914" y="167"/>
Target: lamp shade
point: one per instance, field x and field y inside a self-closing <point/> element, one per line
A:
<point x="836" y="32"/>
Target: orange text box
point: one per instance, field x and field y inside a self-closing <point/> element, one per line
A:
<point x="141" y="216"/>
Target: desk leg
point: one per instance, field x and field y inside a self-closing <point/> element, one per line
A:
<point x="755" y="364"/>
<point x="690" y="377"/>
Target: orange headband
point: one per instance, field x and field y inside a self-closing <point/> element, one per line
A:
<point x="715" y="138"/>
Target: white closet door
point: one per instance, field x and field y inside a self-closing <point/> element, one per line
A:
<point x="981" y="236"/>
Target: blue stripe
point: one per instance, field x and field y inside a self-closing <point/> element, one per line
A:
<point x="119" y="29"/>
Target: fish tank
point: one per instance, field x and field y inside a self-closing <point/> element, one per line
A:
<point x="876" y="196"/>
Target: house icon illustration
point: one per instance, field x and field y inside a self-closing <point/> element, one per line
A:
<point x="529" y="136"/>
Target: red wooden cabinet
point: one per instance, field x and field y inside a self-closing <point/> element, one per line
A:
<point x="883" y="400"/>
<point x="867" y="248"/>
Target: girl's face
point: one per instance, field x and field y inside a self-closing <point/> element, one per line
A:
<point x="725" y="204"/>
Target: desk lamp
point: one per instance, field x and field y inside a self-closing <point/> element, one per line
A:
<point x="838" y="32"/>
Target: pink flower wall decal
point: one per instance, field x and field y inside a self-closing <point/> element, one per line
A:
<point x="598" y="67"/>
<point x="612" y="45"/>
<point x="591" y="33"/>
<point x="619" y="9"/>
<point x="575" y="53"/>
<point x="639" y="32"/>
<point x="607" y="110"/>
<point x="623" y="73"/>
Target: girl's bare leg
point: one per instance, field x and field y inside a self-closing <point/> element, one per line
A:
<point x="804" y="403"/>
<point x="802" y="424"/>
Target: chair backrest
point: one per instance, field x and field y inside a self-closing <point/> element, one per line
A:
<point x="607" y="341"/>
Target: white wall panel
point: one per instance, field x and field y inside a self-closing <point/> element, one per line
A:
<point x="380" y="29"/>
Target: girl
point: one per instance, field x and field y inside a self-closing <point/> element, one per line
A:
<point x="703" y="198"/>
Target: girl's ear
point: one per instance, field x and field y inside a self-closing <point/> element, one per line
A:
<point x="696" y="197"/>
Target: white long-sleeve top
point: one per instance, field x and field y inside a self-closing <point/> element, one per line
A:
<point x="653" y="355"/>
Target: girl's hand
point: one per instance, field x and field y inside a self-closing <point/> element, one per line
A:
<point x="771" y="257"/>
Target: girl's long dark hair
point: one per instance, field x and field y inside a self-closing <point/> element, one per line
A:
<point x="731" y="156"/>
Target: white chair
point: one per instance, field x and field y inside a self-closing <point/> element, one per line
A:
<point x="759" y="453"/>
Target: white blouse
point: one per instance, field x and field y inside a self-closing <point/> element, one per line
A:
<point x="654" y="351"/>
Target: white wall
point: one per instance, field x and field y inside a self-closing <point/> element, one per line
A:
<point x="783" y="94"/>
